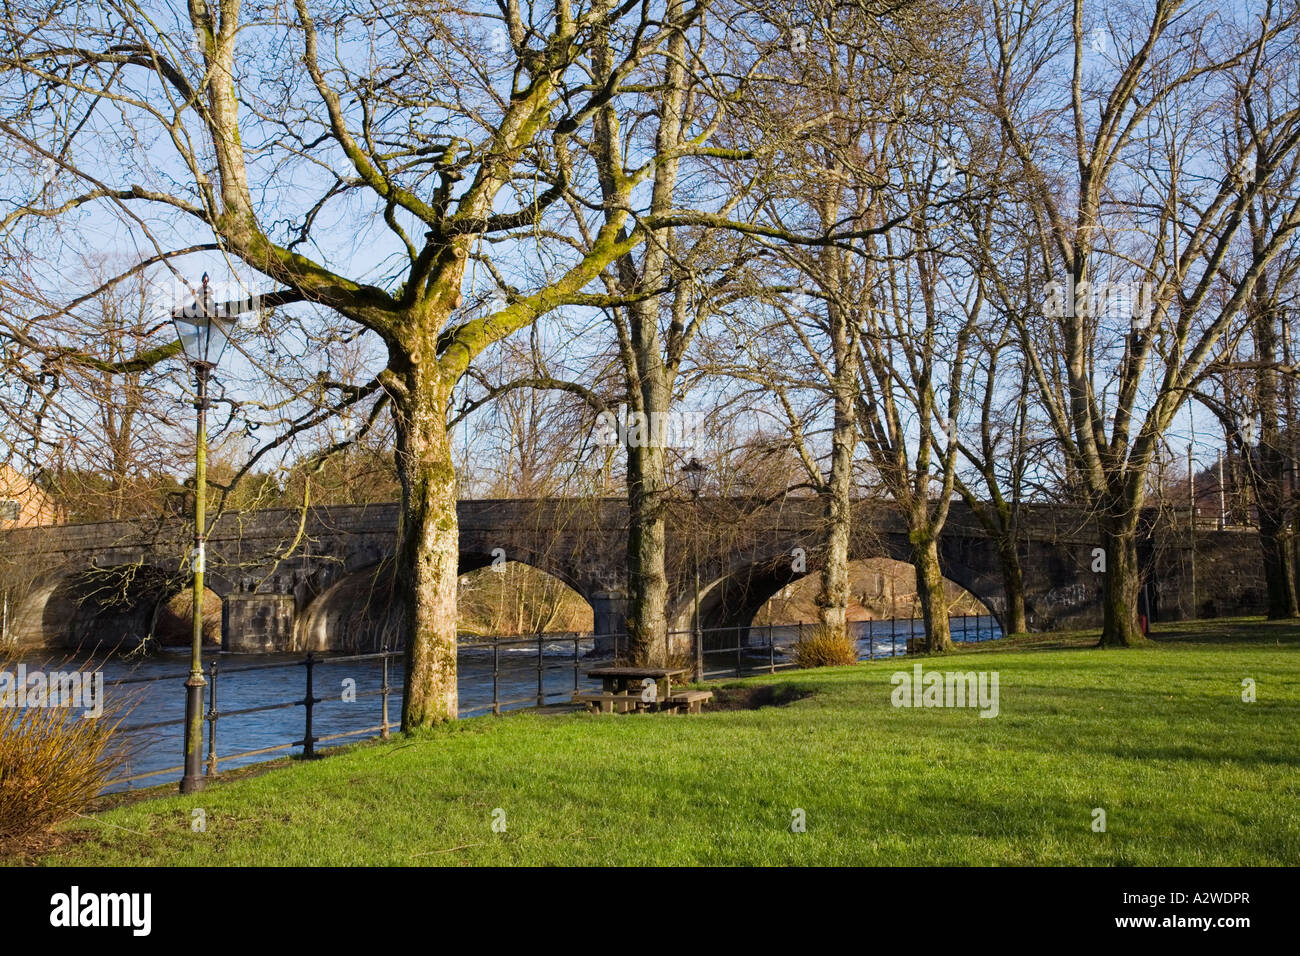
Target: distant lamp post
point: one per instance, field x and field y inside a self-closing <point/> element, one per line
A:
<point x="204" y="334"/>
<point x="694" y="471"/>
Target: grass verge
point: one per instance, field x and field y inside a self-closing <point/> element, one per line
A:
<point x="1158" y="737"/>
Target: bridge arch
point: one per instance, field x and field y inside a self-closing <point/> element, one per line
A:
<point x="358" y="611"/>
<point x="103" y="607"/>
<point x="474" y="556"/>
<point x="734" y="599"/>
<point x="361" y="610"/>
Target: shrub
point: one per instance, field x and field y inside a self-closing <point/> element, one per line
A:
<point x="823" y="646"/>
<point x="53" y="761"/>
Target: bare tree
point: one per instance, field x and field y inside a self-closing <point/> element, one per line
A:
<point x="1131" y="133"/>
<point x="829" y="197"/>
<point x="444" y="129"/>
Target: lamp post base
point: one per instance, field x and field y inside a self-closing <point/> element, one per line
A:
<point x="193" y="781"/>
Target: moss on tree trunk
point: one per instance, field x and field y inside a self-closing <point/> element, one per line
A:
<point x="934" y="599"/>
<point x="428" y="555"/>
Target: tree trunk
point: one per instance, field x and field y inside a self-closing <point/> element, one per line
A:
<point x="1013" y="584"/>
<point x="648" y="376"/>
<point x="647" y="623"/>
<point x="428" y="554"/>
<point x="1270" y="502"/>
<point x="1266" y="471"/>
<point x="1121" y="582"/>
<point x="934" y="599"/>
<point x="833" y="598"/>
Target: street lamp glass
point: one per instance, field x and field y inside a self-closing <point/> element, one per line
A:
<point x="202" y="332"/>
<point x="188" y="330"/>
<point x="694" y="471"/>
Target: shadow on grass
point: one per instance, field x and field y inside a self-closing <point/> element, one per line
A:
<point x="1188" y="753"/>
<point x="752" y="698"/>
<point x="1255" y="631"/>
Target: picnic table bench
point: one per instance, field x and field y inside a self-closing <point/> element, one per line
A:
<point x="690" y="701"/>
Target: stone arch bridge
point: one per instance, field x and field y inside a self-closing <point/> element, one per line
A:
<point x="322" y="579"/>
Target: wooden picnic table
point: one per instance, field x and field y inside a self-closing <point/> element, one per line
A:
<point x="621" y="680"/>
<point x="623" y="689"/>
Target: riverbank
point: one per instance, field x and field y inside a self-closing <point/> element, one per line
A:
<point x="1158" y="738"/>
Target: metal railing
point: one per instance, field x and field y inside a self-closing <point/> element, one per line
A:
<point x="537" y="668"/>
<point x="540" y="665"/>
<point x="211" y="713"/>
<point x="752" y="650"/>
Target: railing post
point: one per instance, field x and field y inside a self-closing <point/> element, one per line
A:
<point x="701" y="651"/>
<point x="308" y="741"/>
<point x="496" y="671"/>
<point x="383" y="699"/>
<point x="211" y="769"/>
<point x="541" y="694"/>
<point x="738" y="672"/>
<point x="576" y="640"/>
<point x="771" y="652"/>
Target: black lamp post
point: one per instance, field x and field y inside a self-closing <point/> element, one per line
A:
<point x="204" y="331"/>
<point x="694" y="471"/>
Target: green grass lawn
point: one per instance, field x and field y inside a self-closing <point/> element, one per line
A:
<point x="1159" y="738"/>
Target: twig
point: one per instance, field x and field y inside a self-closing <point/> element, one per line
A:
<point x="450" y="849"/>
<point x="107" y="824"/>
